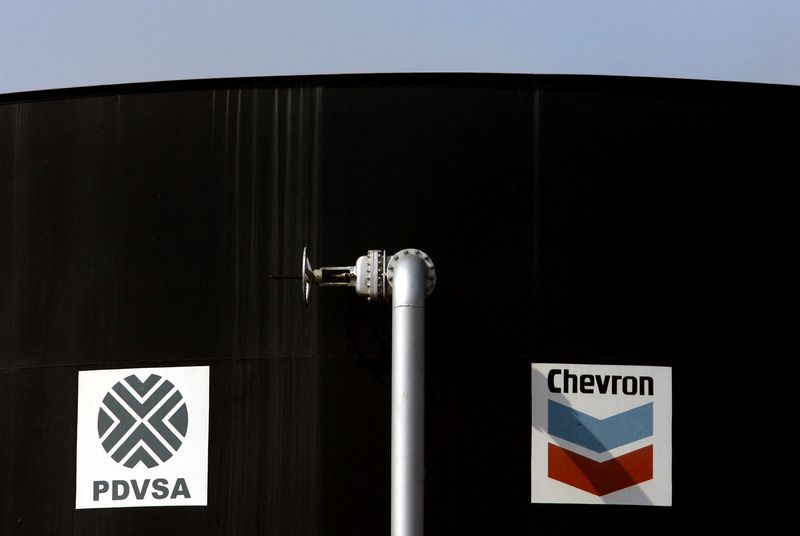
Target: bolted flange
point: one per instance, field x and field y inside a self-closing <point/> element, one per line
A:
<point x="370" y="281"/>
<point x="430" y="281"/>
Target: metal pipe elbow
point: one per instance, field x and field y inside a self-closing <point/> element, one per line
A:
<point x="411" y="276"/>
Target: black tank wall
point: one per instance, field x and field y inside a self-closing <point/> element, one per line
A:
<point x="573" y="219"/>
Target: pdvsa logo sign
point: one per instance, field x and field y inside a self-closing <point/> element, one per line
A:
<point x="601" y="434"/>
<point x="142" y="437"/>
<point x="123" y="413"/>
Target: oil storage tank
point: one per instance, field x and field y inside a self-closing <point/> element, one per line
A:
<point x="573" y="220"/>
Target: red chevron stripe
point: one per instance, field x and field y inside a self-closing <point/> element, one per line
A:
<point x="600" y="478"/>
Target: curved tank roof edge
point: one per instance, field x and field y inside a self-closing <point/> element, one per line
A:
<point x="505" y="80"/>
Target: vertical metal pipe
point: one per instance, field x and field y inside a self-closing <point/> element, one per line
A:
<point x="411" y="276"/>
<point x="408" y="396"/>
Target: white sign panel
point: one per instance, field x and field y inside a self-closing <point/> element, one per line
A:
<point x="142" y="437"/>
<point x="601" y="434"/>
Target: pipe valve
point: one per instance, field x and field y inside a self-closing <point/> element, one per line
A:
<point x="371" y="276"/>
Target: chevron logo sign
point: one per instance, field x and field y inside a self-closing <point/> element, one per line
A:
<point x="142" y="437"/>
<point x="601" y="434"/>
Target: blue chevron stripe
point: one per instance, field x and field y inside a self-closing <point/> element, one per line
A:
<point x="599" y="435"/>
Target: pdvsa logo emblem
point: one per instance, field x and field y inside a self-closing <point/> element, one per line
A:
<point x="142" y="421"/>
<point x="601" y="434"/>
<point x="142" y="437"/>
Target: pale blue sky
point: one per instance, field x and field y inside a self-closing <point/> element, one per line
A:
<point x="48" y="44"/>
